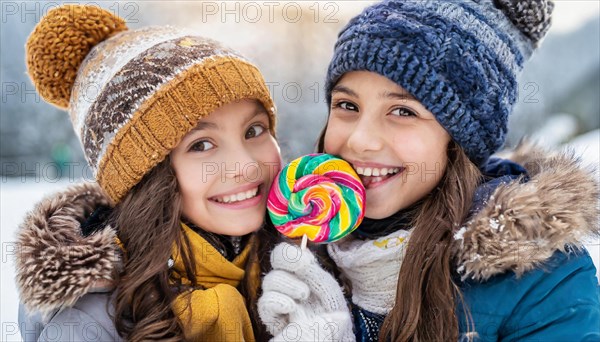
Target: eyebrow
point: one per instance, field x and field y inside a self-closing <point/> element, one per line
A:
<point x="345" y="90"/>
<point x="205" y="125"/>
<point x="387" y="94"/>
<point x="202" y="125"/>
<point x="397" y="96"/>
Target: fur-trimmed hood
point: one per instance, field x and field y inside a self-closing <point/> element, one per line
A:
<point x="520" y="226"/>
<point x="56" y="264"/>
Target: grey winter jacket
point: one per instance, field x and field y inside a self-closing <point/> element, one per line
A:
<point x="87" y="320"/>
<point x="59" y="269"/>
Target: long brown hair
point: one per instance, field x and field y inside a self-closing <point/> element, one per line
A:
<point x="148" y="221"/>
<point x="426" y="295"/>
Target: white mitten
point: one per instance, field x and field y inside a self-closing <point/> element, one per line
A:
<point x="301" y="301"/>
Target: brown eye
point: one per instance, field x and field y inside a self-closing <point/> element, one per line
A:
<point x="254" y="131"/>
<point x="403" y="112"/>
<point x="202" y="146"/>
<point x="348" y="106"/>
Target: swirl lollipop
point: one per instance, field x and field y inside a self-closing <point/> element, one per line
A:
<point x="318" y="197"/>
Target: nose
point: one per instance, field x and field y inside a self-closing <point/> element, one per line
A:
<point x="365" y="136"/>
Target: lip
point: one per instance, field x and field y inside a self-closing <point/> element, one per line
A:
<point x="247" y="203"/>
<point x="384" y="182"/>
<point x="243" y="188"/>
<point x="371" y="165"/>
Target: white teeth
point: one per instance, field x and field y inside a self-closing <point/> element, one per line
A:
<point x="376" y="172"/>
<point x="238" y="197"/>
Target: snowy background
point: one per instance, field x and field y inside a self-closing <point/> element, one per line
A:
<point x="291" y="42"/>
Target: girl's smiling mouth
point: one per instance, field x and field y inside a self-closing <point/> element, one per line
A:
<point x="243" y="197"/>
<point x="374" y="175"/>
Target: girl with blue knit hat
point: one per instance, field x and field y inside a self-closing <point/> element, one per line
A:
<point x="456" y="244"/>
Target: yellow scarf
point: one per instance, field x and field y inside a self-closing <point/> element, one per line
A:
<point x="217" y="312"/>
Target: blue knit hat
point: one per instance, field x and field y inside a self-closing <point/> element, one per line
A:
<point x="459" y="58"/>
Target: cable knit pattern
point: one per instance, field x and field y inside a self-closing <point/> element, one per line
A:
<point x="372" y="266"/>
<point x="460" y="59"/>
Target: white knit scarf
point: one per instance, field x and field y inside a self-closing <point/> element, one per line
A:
<point x="372" y="266"/>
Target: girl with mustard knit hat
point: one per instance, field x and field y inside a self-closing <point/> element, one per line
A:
<point x="180" y="134"/>
<point x="455" y="244"/>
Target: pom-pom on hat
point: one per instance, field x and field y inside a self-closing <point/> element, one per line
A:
<point x="133" y="94"/>
<point x="459" y="58"/>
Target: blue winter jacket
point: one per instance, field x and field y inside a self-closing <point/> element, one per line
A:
<point x="556" y="303"/>
<point x="520" y="260"/>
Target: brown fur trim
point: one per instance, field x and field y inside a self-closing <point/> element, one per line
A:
<point x="522" y="225"/>
<point x="56" y="265"/>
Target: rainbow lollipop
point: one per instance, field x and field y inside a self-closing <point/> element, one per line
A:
<point x="317" y="196"/>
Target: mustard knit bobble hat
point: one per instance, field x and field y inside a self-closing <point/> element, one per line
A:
<point x="133" y="94"/>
